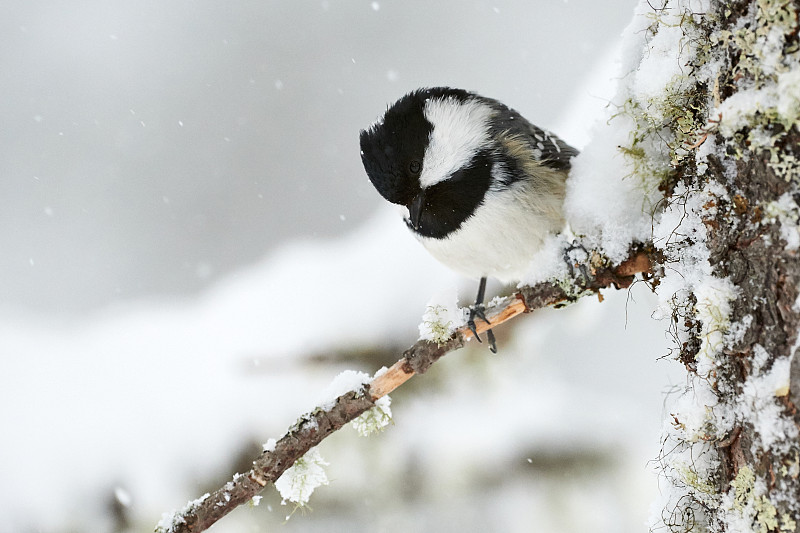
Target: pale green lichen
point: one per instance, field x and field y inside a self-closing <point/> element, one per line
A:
<point x="785" y="166"/>
<point x="439" y="328"/>
<point x="743" y="485"/>
<point x="298" y="482"/>
<point x="792" y="469"/>
<point x="760" y="48"/>
<point x="788" y="524"/>
<point x="441" y="318"/>
<point x="667" y="121"/>
<point x="648" y="168"/>
<point x="376" y="419"/>
<point x="573" y="290"/>
<point x="759" y="119"/>
<point x="767" y="103"/>
<point x="752" y="505"/>
<point x="766" y="515"/>
<point x="713" y="309"/>
<point x="698" y="483"/>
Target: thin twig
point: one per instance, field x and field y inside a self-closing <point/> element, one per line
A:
<point x="313" y="427"/>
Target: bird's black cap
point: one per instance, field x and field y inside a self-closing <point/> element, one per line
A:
<point x="399" y="138"/>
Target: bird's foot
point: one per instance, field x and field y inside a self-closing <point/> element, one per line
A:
<point x="478" y="310"/>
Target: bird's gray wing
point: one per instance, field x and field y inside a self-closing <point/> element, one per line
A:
<point x="546" y="146"/>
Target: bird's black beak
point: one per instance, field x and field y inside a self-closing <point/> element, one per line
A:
<point x="415" y="210"/>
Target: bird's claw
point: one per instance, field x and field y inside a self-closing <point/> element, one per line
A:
<point x="471" y="324"/>
<point x="491" y="339"/>
<point x="478" y="310"/>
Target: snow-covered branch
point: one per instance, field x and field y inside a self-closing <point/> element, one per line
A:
<point x="312" y="428"/>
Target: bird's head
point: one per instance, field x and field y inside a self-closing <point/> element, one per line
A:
<point x="432" y="153"/>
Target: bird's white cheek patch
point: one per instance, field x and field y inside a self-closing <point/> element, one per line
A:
<point x="460" y="129"/>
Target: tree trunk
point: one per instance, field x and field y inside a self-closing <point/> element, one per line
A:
<point x="729" y="235"/>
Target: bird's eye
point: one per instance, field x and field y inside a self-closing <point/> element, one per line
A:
<point x="415" y="167"/>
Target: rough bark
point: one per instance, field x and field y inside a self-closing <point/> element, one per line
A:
<point x="752" y="254"/>
<point x="748" y="478"/>
<point x="754" y="257"/>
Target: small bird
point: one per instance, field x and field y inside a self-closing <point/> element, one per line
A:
<point x="481" y="185"/>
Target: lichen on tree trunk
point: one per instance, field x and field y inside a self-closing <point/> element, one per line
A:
<point x="730" y="240"/>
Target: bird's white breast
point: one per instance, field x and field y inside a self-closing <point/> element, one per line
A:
<point x="502" y="236"/>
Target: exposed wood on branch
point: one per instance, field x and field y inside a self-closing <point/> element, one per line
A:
<point x="313" y="427"/>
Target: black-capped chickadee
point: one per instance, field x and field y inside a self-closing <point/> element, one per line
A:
<point x="483" y="187"/>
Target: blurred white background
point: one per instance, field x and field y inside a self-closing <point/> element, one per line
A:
<point x="191" y="252"/>
<point x="149" y="148"/>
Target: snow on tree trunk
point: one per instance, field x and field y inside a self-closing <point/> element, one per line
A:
<point x="714" y="102"/>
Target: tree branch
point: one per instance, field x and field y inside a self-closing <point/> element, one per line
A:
<point x="313" y="427"/>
